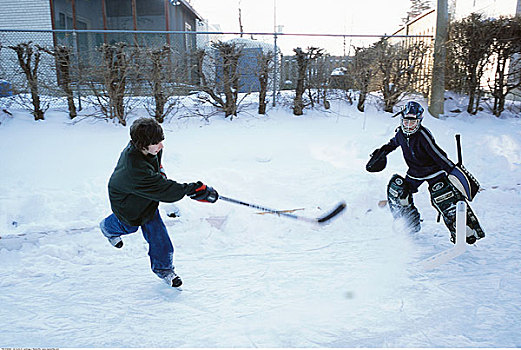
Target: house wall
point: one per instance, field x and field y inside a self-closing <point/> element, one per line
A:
<point x="425" y="24"/>
<point x="23" y="15"/>
<point x="88" y="14"/>
<point x="182" y="20"/>
<point x="491" y="8"/>
<point x="36" y="14"/>
<point x="203" y="40"/>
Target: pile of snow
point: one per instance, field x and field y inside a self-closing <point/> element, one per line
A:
<point x="255" y="280"/>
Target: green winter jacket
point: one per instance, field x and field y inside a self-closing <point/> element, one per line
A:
<point x="136" y="187"/>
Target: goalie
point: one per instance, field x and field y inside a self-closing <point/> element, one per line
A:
<point x="448" y="182"/>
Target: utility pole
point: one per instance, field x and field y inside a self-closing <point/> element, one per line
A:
<point x="437" y="93"/>
<point x="275" y="58"/>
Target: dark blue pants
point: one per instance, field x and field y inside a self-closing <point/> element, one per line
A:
<point x="414" y="184"/>
<point x="160" y="248"/>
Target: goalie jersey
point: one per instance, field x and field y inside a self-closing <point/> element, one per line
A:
<point x="423" y="156"/>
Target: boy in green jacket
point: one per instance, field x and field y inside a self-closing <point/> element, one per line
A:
<point x="136" y="187"/>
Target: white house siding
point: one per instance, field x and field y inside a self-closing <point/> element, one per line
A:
<point x="426" y="24"/>
<point x="490" y="8"/>
<point x="204" y="40"/>
<point x="24" y="15"/>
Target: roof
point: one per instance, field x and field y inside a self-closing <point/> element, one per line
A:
<point x="415" y="19"/>
<point x="189" y="7"/>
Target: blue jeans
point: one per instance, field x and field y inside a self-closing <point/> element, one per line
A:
<point x="160" y="248"/>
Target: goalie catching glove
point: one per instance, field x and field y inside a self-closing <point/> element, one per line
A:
<point x="378" y="159"/>
<point x="202" y="193"/>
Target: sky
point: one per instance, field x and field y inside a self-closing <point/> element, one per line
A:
<point x="376" y="17"/>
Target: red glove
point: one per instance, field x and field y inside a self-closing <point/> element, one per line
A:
<point x="202" y="193"/>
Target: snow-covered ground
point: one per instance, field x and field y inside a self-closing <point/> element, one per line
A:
<point x="255" y="280"/>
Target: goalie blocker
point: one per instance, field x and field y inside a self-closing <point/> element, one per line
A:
<point x="464" y="182"/>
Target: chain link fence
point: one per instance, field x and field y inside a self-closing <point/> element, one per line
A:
<point x="186" y="62"/>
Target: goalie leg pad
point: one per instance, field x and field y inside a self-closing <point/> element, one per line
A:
<point x="401" y="202"/>
<point x="444" y="197"/>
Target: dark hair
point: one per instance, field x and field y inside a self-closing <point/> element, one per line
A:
<point x="145" y="132"/>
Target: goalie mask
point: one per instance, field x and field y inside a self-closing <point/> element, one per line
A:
<point x="412" y="115"/>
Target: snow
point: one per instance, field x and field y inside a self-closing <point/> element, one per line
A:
<point x="255" y="280"/>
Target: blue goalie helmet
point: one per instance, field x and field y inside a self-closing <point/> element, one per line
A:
<point x="412" y="115"/>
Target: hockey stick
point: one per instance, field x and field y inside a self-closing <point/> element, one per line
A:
<point x="461" y="245"/>
<point x="458" y="147"/>
<point x="396" y="114"/>
<point x="460" y="161"/>
<point x="279" y="211"/>
<point x="321" y="220"/>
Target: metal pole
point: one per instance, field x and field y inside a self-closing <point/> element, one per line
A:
<point x="275" y="72"/>
<point x="77" y="61"/>
<point x="114" y="31"/>
<point x="437" y="93"/>
<point x="275" y="58"/>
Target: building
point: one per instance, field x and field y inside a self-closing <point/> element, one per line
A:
<point x="137" y="15"/>
<point x="425" y="24"/>
<point x="490" y="8"/>
<point x="133" y="15"/>
<point x="248" y="66"/>
<point x="101" y="15"/>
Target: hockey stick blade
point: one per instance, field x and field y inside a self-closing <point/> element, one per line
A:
<point x="320" y="220"/>
<point x="340" y="208"/>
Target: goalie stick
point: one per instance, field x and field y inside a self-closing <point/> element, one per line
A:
<point x="459" y="248"/>
<point x="321" y="220"/>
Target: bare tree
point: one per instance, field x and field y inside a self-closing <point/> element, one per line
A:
<point x="29" y="57"/>
<point x="362" y="68"/>
<point x="158" y="76"/>
<point x="302" y="63"/>
<point x="207" y="83"/>
<point x="417" y="8"/>
<point x="219" y="76"/>
<point x="507" y="50"/>
<point x="469" y="52"/>
<point x="265" y="61"/>
<point x="62" y="55"/>
<point x="398" y="68"/>
<point x="318" y="76"/>
<point x="115" y="68"/>
<point x="5" y="90"/>
<point x="303" y="59"/>
<point x="230" y="54"/>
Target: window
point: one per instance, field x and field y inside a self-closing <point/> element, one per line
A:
<point x="61" y="21"/>
<point x="150" y="14"/>
<point x="119" y="8"/>
<point x="189" y="38"/>
<point x="150" y="7"/>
